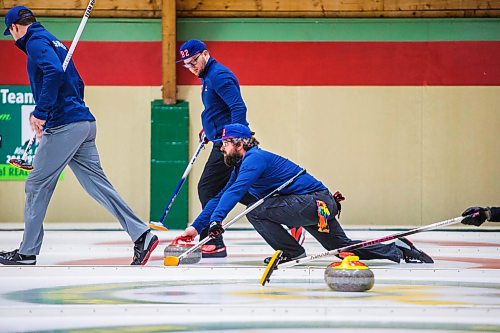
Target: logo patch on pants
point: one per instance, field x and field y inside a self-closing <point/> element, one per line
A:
<point x="323" y="214"/>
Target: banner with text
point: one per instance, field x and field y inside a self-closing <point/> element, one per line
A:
<point x="16" y="103"/>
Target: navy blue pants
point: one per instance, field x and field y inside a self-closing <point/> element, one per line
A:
<point x="301" y="210"/>
<point x="213" y="179"/>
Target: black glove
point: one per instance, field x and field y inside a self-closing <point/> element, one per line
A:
<point x="215" y="229"/>
<point x="202" y="136"/>
<point x="338" y="197"/>
<point x="475" y="215"/>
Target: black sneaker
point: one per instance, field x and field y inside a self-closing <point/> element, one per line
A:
<point x="15" y="258"/>
<point x="143" y="247"/>
<point x="411" y="254"/>
<point x="213" y="251"/>
<point x="285" y="258"/>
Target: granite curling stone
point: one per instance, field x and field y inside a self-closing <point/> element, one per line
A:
<point x="349" y="275"/>
<point x="178" y="246"/>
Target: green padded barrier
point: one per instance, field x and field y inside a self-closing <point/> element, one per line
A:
<point x="169" y="159"/>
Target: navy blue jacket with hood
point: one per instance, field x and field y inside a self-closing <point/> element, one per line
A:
<point x="58" y="95"/>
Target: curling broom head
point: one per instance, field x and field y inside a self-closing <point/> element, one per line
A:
<point x="157" y="226"/>
<point x="171" y="261"/>
<point x="271" y="266"/>
<point x="21" y="164"/>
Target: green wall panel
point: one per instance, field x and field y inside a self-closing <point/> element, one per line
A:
<point x="169" y="158"/>
<point x="280" y="29"/>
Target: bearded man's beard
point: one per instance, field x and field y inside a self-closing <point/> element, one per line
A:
<point x="231" y="160"/>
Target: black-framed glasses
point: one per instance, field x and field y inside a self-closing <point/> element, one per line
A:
<point x="228" y="141"/>
<point x="192" y="62"/>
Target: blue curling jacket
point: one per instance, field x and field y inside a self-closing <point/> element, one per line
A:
<point x="221" y="98"/>
<point x="259" y="173"/>
<point x="58" y="95"/>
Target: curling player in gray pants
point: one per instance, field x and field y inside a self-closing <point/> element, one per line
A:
<point x="66" y="130"/>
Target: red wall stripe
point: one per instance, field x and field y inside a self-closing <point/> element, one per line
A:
<point x="99" y="63"/>
<point x="286" y="63"/>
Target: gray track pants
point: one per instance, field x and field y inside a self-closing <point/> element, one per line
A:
<point x="73" y="145"/>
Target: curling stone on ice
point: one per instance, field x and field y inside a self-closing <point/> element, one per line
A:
<point x="180" y="245"/>
<point x="349" y="275"/>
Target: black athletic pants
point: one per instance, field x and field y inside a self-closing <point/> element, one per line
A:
<point x="301" y="210"/>
<point x="213" y="179"/>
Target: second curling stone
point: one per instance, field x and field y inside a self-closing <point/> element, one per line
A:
<point x="349" y="275"/>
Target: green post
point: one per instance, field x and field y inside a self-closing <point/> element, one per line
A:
<point x="169" y="159"/>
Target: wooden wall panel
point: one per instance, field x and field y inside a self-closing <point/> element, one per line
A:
<point x="75" y="8"/>
<point x="266" y="8"/>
